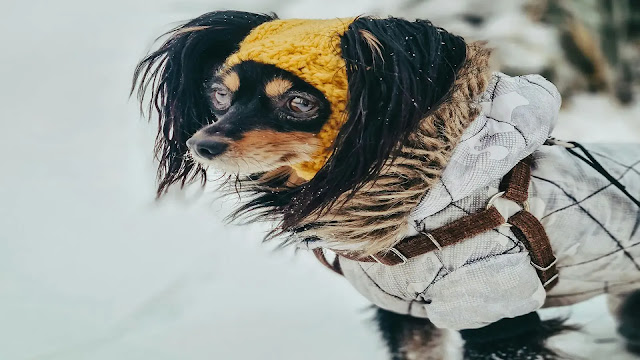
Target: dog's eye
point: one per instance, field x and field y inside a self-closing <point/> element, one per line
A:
<point x="221" y="98"/>
<point x="301" y="105"/>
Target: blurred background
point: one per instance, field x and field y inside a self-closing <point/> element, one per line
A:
<point x="92" y="267"/>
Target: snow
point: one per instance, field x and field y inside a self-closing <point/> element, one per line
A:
<point x="91" y="267"/>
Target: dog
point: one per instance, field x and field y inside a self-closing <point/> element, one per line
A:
<point x="346" y="132"/>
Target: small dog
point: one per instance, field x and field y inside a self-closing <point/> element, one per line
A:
<point x="338" y="128"/>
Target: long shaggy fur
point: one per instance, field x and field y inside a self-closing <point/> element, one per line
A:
<point x="173" y="76"/>
<point x="392" y="86"/>
<point x="410" y="338"/>
<point x="375" y="218"/>
<point x="411" y="91"/>
<point x="370" y="213"/>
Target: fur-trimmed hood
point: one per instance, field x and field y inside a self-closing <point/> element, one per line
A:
<point x="518" y="115"/>
<point x="378" y="215"/>
<point x="592" y="225"/>
<point x="510" y="125"/>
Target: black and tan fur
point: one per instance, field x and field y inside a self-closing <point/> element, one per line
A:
<point x="411" y="95"/>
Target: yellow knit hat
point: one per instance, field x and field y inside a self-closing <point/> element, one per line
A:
<point x="310" y="49"/>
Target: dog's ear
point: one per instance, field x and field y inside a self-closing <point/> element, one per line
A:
<point x="398" y="73"/>
<point x="174" y="76"/>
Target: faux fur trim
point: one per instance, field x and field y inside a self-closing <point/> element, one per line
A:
<point x="376" y="218"/>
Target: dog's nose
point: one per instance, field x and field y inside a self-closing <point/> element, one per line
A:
<point x="206" y="148"/>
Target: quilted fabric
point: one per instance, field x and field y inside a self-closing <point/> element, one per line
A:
<point x="593" y="227"/>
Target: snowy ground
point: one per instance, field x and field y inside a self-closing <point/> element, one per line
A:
<point x="92" y="268"/>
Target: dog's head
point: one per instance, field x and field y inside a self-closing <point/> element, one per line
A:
<point x="332" y="100"/>
<point x="265" y="118"/>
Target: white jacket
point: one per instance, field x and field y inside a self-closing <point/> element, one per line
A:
<point x="594" y="229"/>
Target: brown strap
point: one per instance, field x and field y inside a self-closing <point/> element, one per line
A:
<point x="516" y="188"/>
<point x="526" y="227"/>
<point x="529" y="230"/>
<point x="335" y="267"/>
<point x="461" y="229"/>
<point x="516" y="183"/>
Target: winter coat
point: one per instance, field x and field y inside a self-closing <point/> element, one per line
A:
<point x="593" y="228"/>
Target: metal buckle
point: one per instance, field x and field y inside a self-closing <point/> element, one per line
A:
<point x="525" y="205"/>
<point x="544" y="268"/>
<point x="434" y="241"/>
<point x="376" y="259"/>
<point x="398" y="254"/>
<point x="550" y="280"/>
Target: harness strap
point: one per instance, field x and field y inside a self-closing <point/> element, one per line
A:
<point x="528" y="229"/>
<point x="513" y="186"/>
<point x="452" y="233"/>
<point x="516" y="182"/>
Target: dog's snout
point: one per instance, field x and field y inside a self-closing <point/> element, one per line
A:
<point x="206" y="148"/>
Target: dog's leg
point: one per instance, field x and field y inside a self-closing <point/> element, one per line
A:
<point x="410" y="338"/>
<point x="521" y="338"/>
<point x="626" y="307"/>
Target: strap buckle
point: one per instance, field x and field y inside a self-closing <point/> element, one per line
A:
<point x="550" y="280"/>
<point x="433" y="240"/>
<point x="525" y="205"/>
<point x="545" y="268"/>
<point x="397" y="253"/>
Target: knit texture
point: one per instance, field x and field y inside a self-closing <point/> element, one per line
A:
<point x="310" y="49"/>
